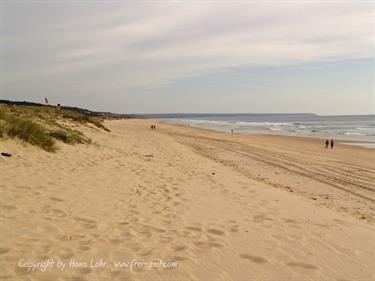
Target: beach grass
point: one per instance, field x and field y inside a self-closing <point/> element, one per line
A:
<point x="81" y="118"/>
<point x="69" y="136"/>
<point x="26" y="130"/>
<point x="54" y="113"/>
<point x="44" y="125"/>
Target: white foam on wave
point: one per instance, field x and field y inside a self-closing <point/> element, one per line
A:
<point x="361" y="144"/>
<point x="354" y="134"/>
<point x="264" y="124"/>
<point x="317" y="129"/>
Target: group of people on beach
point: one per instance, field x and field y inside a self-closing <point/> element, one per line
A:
<point x="328" y="142"/>
<point x="153" y="127"/>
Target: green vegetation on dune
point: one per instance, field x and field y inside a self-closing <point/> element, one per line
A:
<point x="81" y="118"/>
<point x="42" y="126"/>
<point x="2" y="131"/>
<point x="69" y="136"/>
<point x="53" y="113"/>
<point x="26" y="130"/>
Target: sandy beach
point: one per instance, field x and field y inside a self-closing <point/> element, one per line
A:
<point x="180" y="203"/>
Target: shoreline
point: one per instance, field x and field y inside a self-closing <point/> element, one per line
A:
<point x="345" y="142"/>
<point x="341" y="138"/>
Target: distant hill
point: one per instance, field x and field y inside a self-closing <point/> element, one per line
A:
<point x="211" y="115"/>
<point x="106" y="115"/>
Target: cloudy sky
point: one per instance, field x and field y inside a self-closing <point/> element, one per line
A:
<point x="221" y="56"/>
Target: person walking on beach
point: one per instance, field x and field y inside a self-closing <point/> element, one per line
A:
<point x="327" y="143"/>
<point x="332" y="143"/>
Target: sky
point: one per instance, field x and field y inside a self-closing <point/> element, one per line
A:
<point x="191" y="56"/>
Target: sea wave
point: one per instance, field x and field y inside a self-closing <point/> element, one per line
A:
<point x="348" y="129"/>
<point x="353" y="134"/>
<point x="366" y="129"/>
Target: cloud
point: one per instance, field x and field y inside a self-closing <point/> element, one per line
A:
<point x="124" y="46"/>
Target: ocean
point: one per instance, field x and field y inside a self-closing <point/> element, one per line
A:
<point x="359" y="128"/>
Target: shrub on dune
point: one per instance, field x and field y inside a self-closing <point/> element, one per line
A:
<point x="40" y="125"/>
<point x="27" y="130"/>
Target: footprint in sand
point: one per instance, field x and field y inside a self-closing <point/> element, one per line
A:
<point x="4" y="250"/>
<point x="301" y="265"/>
<point x="145" y="253"/>
<point x="179" y="248"/>
<point x="55" y="213"/>
<point x="207" y="245"/>
<point x="179" y="258"/>
<point x="89" y="224"/>
<point x="56" y="199"/>
<point x="194" y="228"/>
<point x="8" y="207"/>
<point x="234" y="228"/>
<point x="84" y="248"/>
<point x="115" y="241"/>
<point x="23" y="187"/>
<point x="255" y="259"/>
<point x="261" y="218"/>
<point x="215" y="231"/>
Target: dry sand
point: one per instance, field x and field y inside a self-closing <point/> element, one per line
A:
<point x="217" y="206"/>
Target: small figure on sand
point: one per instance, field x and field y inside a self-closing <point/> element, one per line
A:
<point x="332" y="143"/>
<point x="231" y="131"/>
<point x="327" y="143"/>
<point x="153" y="127"/>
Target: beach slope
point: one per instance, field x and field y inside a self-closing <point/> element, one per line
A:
<point x="179" y="203"/>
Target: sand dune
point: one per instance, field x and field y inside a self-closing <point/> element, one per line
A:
<point x="185" y="204"/>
